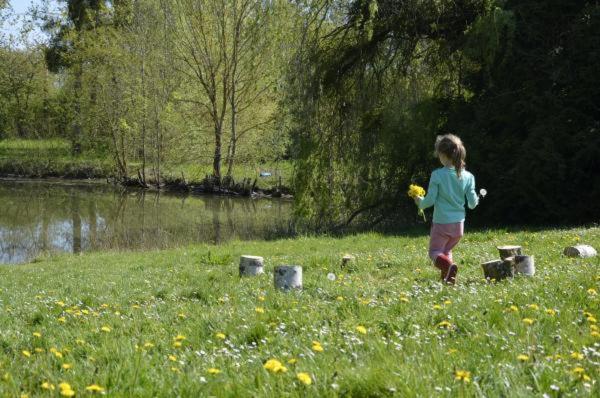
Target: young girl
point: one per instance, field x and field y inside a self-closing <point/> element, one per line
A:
<point x="448" y="188"/>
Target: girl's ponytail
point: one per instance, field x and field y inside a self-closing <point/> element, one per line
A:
<point x="452" y="147"/>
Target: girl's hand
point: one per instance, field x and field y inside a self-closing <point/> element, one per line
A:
<point x="418" y="200"/>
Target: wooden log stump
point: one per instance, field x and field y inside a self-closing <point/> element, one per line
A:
<point x="498" y="269"/>
<point x="347" y="260"/>
<point x="582" y="251"/>
<point x="509" y="251"/>
<point x="287" y="277"/>
<point x="251" y="266"/>
<point x="525" y="265"/>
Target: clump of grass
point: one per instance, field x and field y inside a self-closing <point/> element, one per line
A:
<point x="177" y="322"/>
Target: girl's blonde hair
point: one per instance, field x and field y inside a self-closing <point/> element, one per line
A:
<point x="452" y="147"/>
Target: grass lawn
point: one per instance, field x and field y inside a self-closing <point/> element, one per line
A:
<point x="181" y="322"/>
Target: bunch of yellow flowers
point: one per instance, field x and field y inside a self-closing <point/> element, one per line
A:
<point x="415" y="191"/>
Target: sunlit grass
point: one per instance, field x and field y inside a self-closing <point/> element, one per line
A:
<point x="182" y="323"/>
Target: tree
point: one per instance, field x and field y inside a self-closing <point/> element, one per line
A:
<point x="64" y="51"/>
<point x="225" y="50"/>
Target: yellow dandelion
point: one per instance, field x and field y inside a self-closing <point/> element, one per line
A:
<point x="175" y="369"/>
<point x="595" y="334"/>
<point x="523" y="357"/>
<point x="579" y="372"/>
<point x="592" y="292"/>
<point x="447" y="302"/>
<point x="317" y="347"/>
<point x="463" y="375"/>
<point x="591" y="319"/>
<point x="404" y="299"/>
<point x="179" y="337"/>
<point x="148" y="345"/>
<point x="213" y="371"/>
<point x="37" y="334"/>
<point x="221" y="336"/>
<point x="48" y="386"/>
<point x="361" y="329"/>
<point x="437" y="307"/>
<point x="172" y="358"/>
<point x="452" y="351"/>
<point x="105" y="329"/>
<point x="64" y="386"/>
<point x="79" y="342"/>
<point x="38" y="350"/>
<point x="339" y="298"/>
<point x="444" y="325"/>
<point x="177" y="344"/>
<point x="292" y="361"/>
<point x="513" y="308"/>
<point x="181" y="315"/>
<point x="528" y="321"/>
<point x="534" y="307"/>
<point x="304" y="378"/>
<point x="62" y="319"/>
<point x="67" y="366"/>
<point x="261" y="298"/>
<point x="274" y="366"/>
<point x="104" y="306"/>
<point x="551" y="311"/>
<point x="259" y="310"/>
<point x="94" y="388"/>
<point x="576" y="355"/>
<point x="60" y="303"/>
<point x="26" y="353"/>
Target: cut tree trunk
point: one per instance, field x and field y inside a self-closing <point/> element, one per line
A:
<point x="509" y="251"/>
<point x="347" y="260"/>
<point x="251" y="266"/>
<point x="498" y="269"/>
<point x="582" y="251"/>
<point x="525" y="265"/>
<point x="288" y="277"/>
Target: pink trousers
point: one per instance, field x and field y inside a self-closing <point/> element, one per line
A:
<point x="443" y="238"/>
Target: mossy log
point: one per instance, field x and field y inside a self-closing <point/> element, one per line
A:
<point x="582" y="251"/>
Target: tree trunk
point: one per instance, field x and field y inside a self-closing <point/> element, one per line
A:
<point x="76" y="130"/>
<point x="217" y="157"/>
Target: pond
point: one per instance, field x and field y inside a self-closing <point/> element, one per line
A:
<point x="40" y="216"/>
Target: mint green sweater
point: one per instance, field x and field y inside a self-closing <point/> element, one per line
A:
<point x="447" y="194"/>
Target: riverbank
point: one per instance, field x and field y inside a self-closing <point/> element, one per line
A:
<point x="181" y="322"/>
<point x="52" y="159"/>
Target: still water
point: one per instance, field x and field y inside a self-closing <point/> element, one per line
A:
<point x="73" y="216"/>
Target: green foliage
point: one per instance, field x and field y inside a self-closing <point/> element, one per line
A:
<point x="514" y="79"/>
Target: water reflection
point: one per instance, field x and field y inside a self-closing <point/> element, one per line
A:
<point x="40" y="216"/>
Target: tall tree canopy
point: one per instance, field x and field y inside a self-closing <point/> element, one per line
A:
<point x="516" y="79"/>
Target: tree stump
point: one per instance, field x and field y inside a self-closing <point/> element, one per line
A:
<point x="582" y="251"/>
<point x="509" y="251"/>
<point x="525" y="265"/>
<point x="498" y="269"/>
<point x="347" y="259"/>
<point x="251" y="266"/>
<point x="288" y="277"/>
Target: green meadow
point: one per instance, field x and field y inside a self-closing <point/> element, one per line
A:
<point x="182" y="323"/>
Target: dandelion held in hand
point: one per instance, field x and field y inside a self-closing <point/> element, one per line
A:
<point x="415" y="191"/>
